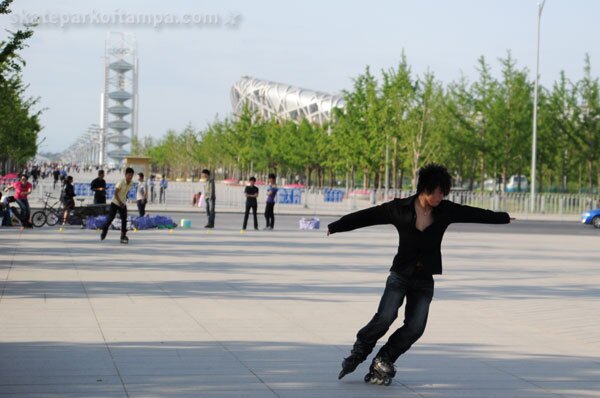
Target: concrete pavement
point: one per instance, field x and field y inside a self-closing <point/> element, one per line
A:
<point x="271" y="314"/>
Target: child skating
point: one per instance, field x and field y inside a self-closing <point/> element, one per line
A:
<point x="421" y="221"/>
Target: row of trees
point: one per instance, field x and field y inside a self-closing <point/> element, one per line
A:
<point x="19" y="121"/>
<point x="480" y="130"/>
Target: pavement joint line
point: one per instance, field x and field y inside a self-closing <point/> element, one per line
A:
<point x="87" y="296"/>
<point x="223" y="346"/>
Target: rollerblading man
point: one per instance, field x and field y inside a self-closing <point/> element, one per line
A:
<point x="421" y="221"/>
<point x="119" y="204"/>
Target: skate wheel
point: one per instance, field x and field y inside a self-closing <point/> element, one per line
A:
<point x="367" y="377"/>
<point x="387" y="381"/>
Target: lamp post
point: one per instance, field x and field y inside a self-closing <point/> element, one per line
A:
<point x="535" y="102"/>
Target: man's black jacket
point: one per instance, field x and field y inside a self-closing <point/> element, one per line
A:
<point x="416" y="246"/>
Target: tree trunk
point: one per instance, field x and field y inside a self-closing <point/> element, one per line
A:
<point x="401" y="182"/>
<point x="591" y="175"/>
<point x="307" y="176"/>
<point x="394" y="165"/>
<point x="331" y="183"/>
<point x="481" y="172"/>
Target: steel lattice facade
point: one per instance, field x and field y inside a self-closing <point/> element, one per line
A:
<point x="282" y="101"/>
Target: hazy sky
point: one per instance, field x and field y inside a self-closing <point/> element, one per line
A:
<point x="186" y="71"/>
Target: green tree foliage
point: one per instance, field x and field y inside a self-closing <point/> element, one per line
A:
<point x="19" y="122"/>
<point x="480" y="130"/>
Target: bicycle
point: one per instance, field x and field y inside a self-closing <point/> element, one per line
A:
<point x="50" y="214"/>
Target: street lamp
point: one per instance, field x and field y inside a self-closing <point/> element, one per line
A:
<point x="535" y="102"/>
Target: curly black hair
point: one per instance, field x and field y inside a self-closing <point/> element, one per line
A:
<point x="434" y="176"/>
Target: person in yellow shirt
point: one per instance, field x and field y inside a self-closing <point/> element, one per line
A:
<point x="119" y="204"/>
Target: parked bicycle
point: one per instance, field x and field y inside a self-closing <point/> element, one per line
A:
<point x="50" y="214"/>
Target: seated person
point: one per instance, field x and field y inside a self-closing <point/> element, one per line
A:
<point x="18" y="210"/>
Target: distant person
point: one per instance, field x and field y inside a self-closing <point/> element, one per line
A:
<point x="164" y="184"/>
<point x="98" y="186"/>
<point x="141" y="195"/>
<point x="56" y="175"/>
<point x="35" y="175"/>
<point x="119" y="204"/>
<point x="251" y="193"/>
<point x="151" y="183"/>
<point x="67" y="198"/>
<point x="209" y="197"/>
<point x="270" y="206"/>
<point x="22" y="190"/>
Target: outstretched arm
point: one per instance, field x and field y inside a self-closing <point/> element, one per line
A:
<point x="468" y="214"/>
<point x="377" y="215"/>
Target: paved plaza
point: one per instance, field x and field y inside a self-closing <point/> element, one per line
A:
<point x="190" y="313"/>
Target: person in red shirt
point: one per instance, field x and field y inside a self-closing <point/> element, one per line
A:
<point x="22" y="190"/>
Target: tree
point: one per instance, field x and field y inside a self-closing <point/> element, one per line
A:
<point x="19" y="122"/>
<point x="587" y="134"/>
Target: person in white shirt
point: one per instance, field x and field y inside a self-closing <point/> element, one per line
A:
<point x="119" y="204"/>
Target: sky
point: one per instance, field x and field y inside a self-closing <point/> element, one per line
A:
<point x="186" y="71"/>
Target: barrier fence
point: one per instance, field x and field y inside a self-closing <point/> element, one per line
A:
<point x="339" y="200"/>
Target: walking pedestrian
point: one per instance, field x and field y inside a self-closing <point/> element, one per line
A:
<point x="67" y="198"/>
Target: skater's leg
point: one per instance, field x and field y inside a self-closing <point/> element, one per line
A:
<point x="387" y="312"/>
<point x="418" y="299"/>
<point x="112" y="213"/>
<point x="123" y="215"/>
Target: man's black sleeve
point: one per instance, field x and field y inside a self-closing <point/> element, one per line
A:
<point x="377" y="215"/>
<point x="467" y="214"/>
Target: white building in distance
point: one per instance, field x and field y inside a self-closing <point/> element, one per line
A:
<point x="282" y="101"/>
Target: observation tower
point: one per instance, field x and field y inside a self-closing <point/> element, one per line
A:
<point x="119" y="101"/>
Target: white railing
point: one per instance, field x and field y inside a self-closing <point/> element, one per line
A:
<point x="180" y="194"/>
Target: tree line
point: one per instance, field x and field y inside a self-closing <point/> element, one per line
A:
<point x="19" y="121"/>
<point x="480" y="129"/>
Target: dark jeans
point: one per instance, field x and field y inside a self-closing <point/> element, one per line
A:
<point x="141" y="204"/>
<point x="26" y="209"/>
<point x="99" y="200"/>
<point x="270" y="215"/>
<point x="249" y="206"/>
<point x="112" y="213"/>
<point x="419" y="293"/>
<point x="210" y="211"/>
<point x="162" y="197"/>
